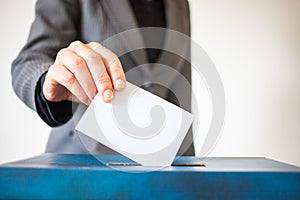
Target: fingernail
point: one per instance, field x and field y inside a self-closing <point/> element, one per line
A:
<point x="120" y="84"/>
<point x="108" y="95"/>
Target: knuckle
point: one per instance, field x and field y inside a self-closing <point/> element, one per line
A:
<point x="94" y="44"/>
<point x="115" y="70"/>
<point x="76" y="44"/>
<point x="104" y="81"/>
<point x="114" y="57"/>
<point x="61" y="52"/>
<point x="49" y="96"/>
<point x="51" y="68"/>
<point x="78" y="61"/>
<point x="52" y="71"/>
<point x="113" y="60"/>
<point x="94" y="56"/>
<point x="69" y="79"/>
<point x="77" y="64"/>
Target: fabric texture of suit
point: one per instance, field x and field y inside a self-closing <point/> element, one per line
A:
<point x="60" y="22"/>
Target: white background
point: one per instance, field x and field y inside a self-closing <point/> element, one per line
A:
<point x="255" y="45"/>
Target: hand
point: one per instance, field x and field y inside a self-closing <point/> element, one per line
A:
<point x="80" y="71"/>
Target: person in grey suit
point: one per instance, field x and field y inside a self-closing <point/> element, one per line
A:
<point x="52" y="69"/>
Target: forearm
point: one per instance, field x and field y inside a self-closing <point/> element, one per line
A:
<point x="54" y="28"/>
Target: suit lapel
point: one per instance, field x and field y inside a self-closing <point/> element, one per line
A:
<point x="178" y="19"/>
<point x="122" y="18"/>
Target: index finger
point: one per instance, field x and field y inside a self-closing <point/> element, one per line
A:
<point x="112" y="64"/>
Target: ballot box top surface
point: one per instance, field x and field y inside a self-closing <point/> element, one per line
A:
<point x="67" y="176"/>
<point x="182" y="164"/>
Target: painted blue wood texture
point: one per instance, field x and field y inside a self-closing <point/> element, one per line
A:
<point x="61" y="176"/>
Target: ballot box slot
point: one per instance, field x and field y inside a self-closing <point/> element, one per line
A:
<point x="188" y="165"/>
<point x="173" y="164"/>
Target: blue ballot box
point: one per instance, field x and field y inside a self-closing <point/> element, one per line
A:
<point x="62" y="176"/>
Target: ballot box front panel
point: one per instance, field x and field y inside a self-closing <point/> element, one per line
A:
<point x="63" y="176"/>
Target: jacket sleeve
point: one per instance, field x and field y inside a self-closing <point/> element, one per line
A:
<point x="54" y="27"/>
<point x="53" y="113"/>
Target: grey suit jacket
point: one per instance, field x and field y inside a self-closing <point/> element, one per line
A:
<point x="60" y="22"/>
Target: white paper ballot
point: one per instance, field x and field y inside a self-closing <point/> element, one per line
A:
<point x="137" y="124"/>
